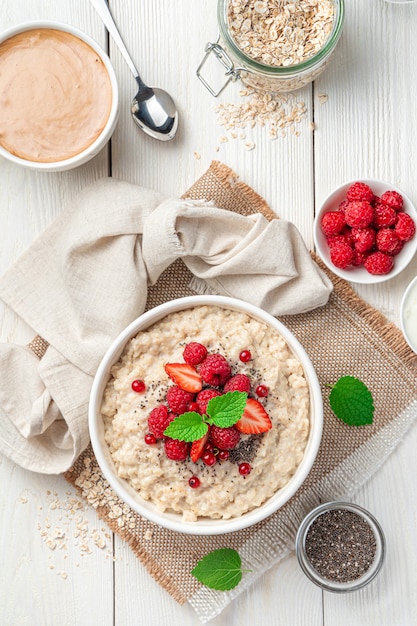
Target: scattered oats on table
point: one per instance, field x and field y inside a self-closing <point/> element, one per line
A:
<point x="275" y="111"/>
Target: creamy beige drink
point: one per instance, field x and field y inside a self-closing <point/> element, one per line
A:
<point x="274" y="456"/>
<point x="55" y="95"/>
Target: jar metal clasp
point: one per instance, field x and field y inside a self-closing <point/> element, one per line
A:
<point x="232" y="73"/>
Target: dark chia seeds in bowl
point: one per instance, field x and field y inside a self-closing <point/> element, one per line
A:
<point x="340" y="546"/>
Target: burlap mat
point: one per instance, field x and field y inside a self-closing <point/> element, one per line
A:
<point x="347" y="336"/>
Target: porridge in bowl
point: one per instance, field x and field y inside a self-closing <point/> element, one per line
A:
<point x="200" y="362"/>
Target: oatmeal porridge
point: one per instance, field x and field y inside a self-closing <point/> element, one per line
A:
<point x="248" y="472"/>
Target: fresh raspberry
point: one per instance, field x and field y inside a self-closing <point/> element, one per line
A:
<point x="204" y="398"/>
<point x="224" y="438"/>
<point x="215" y="370"/>
<point x="398" y="248"/>
<point x="342" y="206"/>
<point x="334" y="240"/>
<point x="158" y="420"/>
<point x="194" y="353"/>
<point x="176" y="450"/>
<point x="364" y="238"/>
<point x="332" y="222"/>
<point x="359" y="191"/>
<point x="384" y="215"/>
<point x="405" y="227"/>
<point x="359" y="258"/>
<point x="387" y="240"/>
<point x="379" y="263"/>
<point x="345" y="236"/>
<point x="392" y="199"/>
<point x="238" y="382"/>
<point x="341" y="255"/>
<point x="359" y="214"/>
<point x="348" y="237"/>
<point x="178" y="399"/>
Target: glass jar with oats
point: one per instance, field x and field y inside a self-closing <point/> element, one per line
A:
<point x="274" y="45"/>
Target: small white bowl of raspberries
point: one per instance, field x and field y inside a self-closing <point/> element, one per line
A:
<point x="365" y="231"/>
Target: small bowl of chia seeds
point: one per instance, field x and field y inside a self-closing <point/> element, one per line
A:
<point x="340" y="546"/>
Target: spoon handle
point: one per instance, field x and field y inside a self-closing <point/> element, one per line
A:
<point x="103" y="10"/>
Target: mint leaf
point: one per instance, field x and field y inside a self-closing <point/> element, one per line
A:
<point x="220" y="569"/>
<point x="187" y="427"/>
<point x="226" y="410"/>
<point x="352" y="402"/>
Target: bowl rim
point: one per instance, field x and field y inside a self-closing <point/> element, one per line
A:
<point x="173" y="521"/>
<point x="408" y="289"/>
<point x="358" y="274"/>
<point x="94" y="148"/>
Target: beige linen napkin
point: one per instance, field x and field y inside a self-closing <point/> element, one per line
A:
<point x="86" y="277"/>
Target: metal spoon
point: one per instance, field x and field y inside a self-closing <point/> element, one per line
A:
<point x="152" y="109"/>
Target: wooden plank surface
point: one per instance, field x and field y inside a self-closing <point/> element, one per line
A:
<point x="60" y="565"/>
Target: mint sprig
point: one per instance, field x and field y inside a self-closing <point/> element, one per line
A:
<point x="223" y="411"/>
<point x="187" y="427"/>
<point x="220" y="569"/>
<point x="226" y="410"/>
<point x="352" y="402"/>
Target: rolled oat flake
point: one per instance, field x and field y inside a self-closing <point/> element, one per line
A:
<point x="340" y="545"/>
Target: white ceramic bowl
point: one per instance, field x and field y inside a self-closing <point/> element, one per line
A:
<point x="147" y="509"/>
<point x="360" y="274"/>
<point x="94" y="148"/>
<point x="408" y="314"/>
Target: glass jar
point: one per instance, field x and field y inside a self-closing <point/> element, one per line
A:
<point x="340" y="546"/>
<point x="261" y="76"/>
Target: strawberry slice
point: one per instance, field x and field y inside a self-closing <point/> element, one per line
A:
<point x="185" y="376"/>
<point x="254" y="420"/>
<point x="197" y="447"/>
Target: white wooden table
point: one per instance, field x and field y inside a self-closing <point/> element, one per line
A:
<point x="54" y="568"/>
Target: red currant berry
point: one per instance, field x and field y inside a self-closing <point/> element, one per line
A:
<point x="262" y="391"/>
<point x="209" y="447"/>
<point x="224" y="455"/>
<point x="193" y="406"/>
<point x="245" y="356"/>
<point x="209" y="458"/>
<point x="150" y="439"/>
<point x="244" y="469"/>
<point x="138" y="386"/>
<point x="194" y="482"/>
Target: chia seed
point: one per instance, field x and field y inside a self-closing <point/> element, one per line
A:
<point x="246" y="450"/>
<point x="340" y="545"/>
